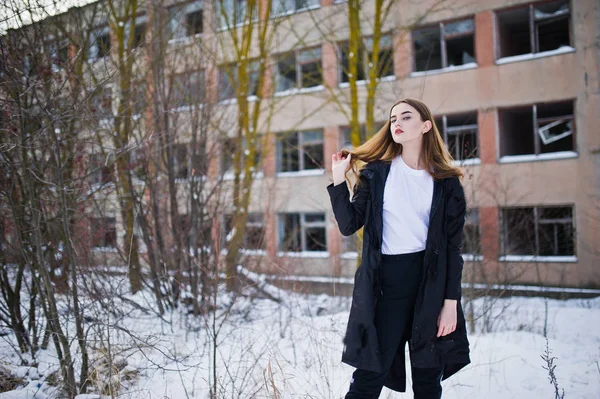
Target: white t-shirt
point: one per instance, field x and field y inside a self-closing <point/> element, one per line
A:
<point x="406" y="205"/>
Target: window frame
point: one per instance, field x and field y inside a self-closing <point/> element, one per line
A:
<point x="536" y="210"/>
<point x="275" y="14"/>
<point x="443" y="45"/>
<point x="187" y="84"/>
<point x="105" y="225"/>
<point x="101" y="31"/>
<point x="460" y="130"/>
<point x="253" y="73"/>
<point x="303" y="226"/>
<point x="532" y="27"/>
<point x="537" y="139"/>
<point x="181" y="11"/>
<point x="300" y="148"/>
<point x="298" y="86"/>
<point x="369" y="50"/>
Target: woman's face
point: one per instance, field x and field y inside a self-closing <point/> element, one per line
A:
<point x="406" y="124"/>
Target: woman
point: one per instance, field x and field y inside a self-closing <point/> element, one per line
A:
<point x="408" y="285"/>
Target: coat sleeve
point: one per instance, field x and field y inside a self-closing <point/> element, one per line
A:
<point x="456" y="209"/>
<point x="350" y="215"/>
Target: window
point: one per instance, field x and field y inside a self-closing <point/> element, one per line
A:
<point x="235" y="12"/>
<point x="138" y="163"/>
<point x="188" y="88"/>
<point x="254" y="234"/>
<point x="299" y="232"/>
<point x="346" y="139"/>
<point x="185" y="20"/>
<point x="99" y="44"/>
<point x="139" y="34"/>
<point x="186" y="164"/>
<point x="282" y="7"/>
<point x="444" y="45"/>
<point x="534" y="28"/>
<point x="539" y="231"/>
<point x="100" y="169"/>
<point x="59" y="54"/>
<point x="299" y="69"/>
<point x="103" y="232"/>
<point x="386" y="59"/>
<point x="538" y="129"/>
<point x="228" y="80"/>
<point x="300" y="151"/>
<point x="471" y="238"/>
<point x="460" y="135"/>
<point x="228" y="152"/>
<point x="101" y="103"/>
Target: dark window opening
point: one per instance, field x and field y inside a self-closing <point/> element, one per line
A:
<point x="310" y="68"/>
<point x="300" y="151"/>
<point x="194" y="23"/>
<point x="302" y="232"/>
<point x="103" y="232"/>
<point x="460" y="132"/>
<point x="286" y="72"/>
<point x="554" y="129"/>
<point x="516" y="127"/>
<point x="541" y="231"/>
<point x="444" y="45"/>
<point x="139" y="35"/>
<point x="534" y="28"/>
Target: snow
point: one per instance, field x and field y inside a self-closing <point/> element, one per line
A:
<point x="534" y="258"/>
<point x="469" y="65"/>
<point x="531" y="56"/>
<point x="541" y="157"/>
<point x="295" y="345"/>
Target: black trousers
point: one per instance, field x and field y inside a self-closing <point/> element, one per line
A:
<point x="400" y="279"/>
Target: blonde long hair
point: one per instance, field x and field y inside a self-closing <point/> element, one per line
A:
<point x="382" y="147"/>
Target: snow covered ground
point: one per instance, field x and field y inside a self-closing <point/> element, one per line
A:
<point x="294" y="347"/>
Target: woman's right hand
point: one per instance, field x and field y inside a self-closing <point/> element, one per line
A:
<point x="339" y="167"/>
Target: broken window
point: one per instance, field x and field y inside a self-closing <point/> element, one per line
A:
<point x="444" y="45"/>
<point x="365" y="53"/>
<point x="188" y="88"/>
<point x="459" y="132"/>
<point x="299" y="69"/>
<point x="555" y="127"/>
<point x="541" y="231"/>
<point x="299" y="151"/>
<point x="534" y="28"/>
<point x="185" y="20"/>
<point x="299" y="232"/>
<point x="282" y="7"/>
<point x="103" y="232"/>
<point x="539" y="129"/>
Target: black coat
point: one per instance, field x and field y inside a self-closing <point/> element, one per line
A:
<point x="441" y="277"/>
